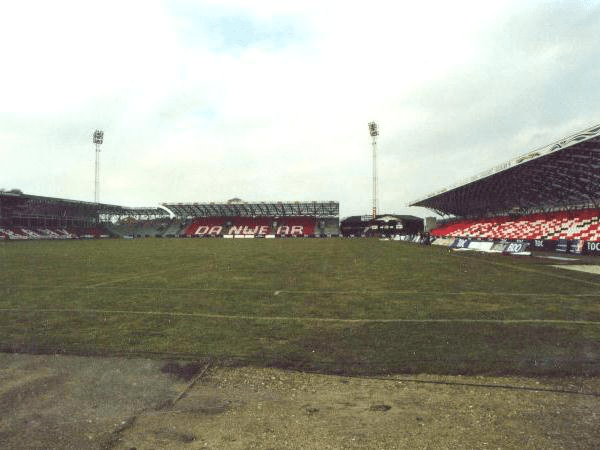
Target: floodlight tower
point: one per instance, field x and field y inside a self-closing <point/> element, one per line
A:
<point x="374" y="131"/>
<point x="98" y="139"/>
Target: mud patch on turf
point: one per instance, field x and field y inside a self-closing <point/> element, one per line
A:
<point x="382" y="408"/>
<point x="184" y="371"/>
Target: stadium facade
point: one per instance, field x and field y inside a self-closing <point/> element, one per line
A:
<point x="265" y="219"/>
<point x="548" y="199"/>
<point x="25" y="216"/>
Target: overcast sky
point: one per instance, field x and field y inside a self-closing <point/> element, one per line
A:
<point x="203" y="101"/>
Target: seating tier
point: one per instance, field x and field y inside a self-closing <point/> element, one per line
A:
<point x="570" y="225"/>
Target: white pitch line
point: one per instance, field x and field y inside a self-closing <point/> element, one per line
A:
<point x="532" y="270"/>
<point x="120" y="280"/>
<point x="143" y="275"/>
<point x="300" y="292"/>
<point x="300" y="319"/>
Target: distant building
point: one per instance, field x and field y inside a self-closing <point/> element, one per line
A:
<point x="385" y="225"/>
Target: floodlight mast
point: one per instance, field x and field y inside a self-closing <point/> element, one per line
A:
<point x="98" y="139"/>
<point x="374" y="132"/>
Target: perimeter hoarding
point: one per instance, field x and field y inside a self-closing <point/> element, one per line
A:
<point x="591" y="248"/>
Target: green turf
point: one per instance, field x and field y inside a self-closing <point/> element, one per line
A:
<point x="335" y="305"/>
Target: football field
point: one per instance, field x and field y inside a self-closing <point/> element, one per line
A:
<point x="346" y="306"/>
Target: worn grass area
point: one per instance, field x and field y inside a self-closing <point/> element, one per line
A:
<point x="343" y="306"/>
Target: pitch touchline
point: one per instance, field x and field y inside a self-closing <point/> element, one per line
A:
<point x="299" y="292"/>
<point x="529" y="269"/>
<point x="300" y="319"/>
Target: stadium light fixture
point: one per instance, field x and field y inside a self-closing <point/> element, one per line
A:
<point x="373" y="129"/>
<point x="98" y="139"/>
<point x="98" y="136"/>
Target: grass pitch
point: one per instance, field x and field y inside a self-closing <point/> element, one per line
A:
<point x="358" y="306"/>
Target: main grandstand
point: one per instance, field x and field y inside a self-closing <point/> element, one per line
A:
<point x="236" y="218"/>
<point x="548" y="198"/>
<point x="25" y="216"/>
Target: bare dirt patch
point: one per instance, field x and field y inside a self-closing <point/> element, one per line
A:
<point x="104" y="403"/>
<point x="240" y="408"/>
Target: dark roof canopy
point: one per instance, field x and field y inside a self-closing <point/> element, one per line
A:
<point x="24" y="206"/>
<point x="234" y="209"/>
<point x="15" y="205"/>
<point x="562" y="175"/>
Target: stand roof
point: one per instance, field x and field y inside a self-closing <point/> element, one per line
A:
<point x="562" y="175"/>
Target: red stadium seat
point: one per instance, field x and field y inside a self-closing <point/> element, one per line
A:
<point x="570" y="225"/>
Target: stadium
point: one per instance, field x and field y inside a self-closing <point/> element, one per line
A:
<point x="253" y="290"/>
<point x="548" y="199"/>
